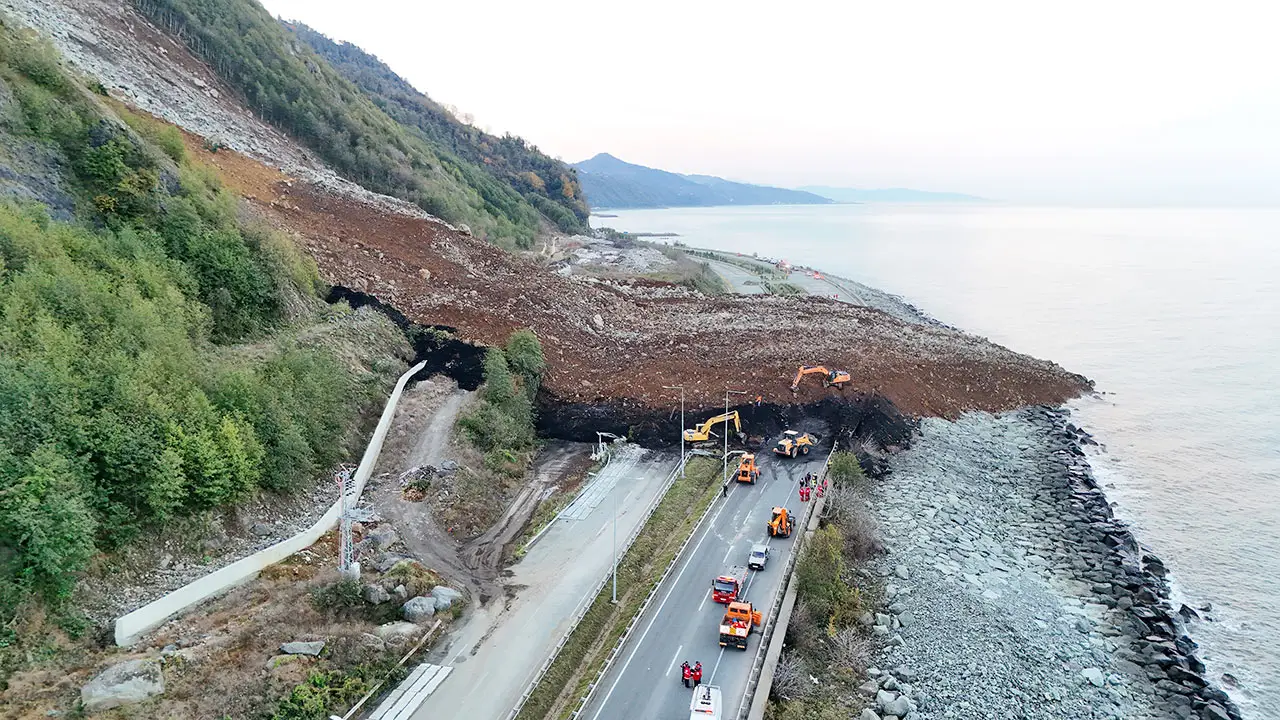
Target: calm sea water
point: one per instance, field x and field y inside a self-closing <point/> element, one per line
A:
<point x="1175" y="313"/>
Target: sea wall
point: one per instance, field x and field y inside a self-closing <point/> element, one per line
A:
<point x="1011" y="589"/>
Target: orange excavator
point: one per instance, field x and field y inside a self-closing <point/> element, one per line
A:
<point x="829" y="377"/>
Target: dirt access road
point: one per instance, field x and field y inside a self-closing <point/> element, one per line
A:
<point x="496" y="654"/>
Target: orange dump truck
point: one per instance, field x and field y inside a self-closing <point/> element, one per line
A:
<point x="740" y="620"/>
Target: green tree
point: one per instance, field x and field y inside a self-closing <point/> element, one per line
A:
<point x="844" y="468"/>
<point x="47" y="519"/>
<point x="818" y="572"/>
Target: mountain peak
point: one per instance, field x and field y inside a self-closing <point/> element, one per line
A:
<point x="612" y="183"/>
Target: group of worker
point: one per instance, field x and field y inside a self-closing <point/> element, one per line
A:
<point x="809" y="484"/>
<point x="693" y="673"/>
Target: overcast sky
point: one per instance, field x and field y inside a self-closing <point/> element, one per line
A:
<point x="1083" y="102"/>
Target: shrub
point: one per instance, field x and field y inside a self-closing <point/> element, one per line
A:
<point x="844" y="468"/>
<point x="341" y="596"/>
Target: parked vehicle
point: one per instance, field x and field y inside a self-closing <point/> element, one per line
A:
<point x="758" y="557"/>
<point x="740" y="620"/>
<point x="725" y="588"/>
<point x="705" y="704"/>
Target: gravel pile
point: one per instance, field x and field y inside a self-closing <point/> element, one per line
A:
<point x="1011" y="592"/>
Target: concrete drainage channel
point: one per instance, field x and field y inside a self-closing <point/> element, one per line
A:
<point x="590" y="598"/>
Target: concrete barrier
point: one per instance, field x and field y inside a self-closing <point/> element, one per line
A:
<point x="134" y="625"/>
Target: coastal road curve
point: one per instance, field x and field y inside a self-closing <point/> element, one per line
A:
<point x="683" y="621"/>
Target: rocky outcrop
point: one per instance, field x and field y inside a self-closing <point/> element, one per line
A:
<point x="123" y="684"/>
<point x="419" y="609"/>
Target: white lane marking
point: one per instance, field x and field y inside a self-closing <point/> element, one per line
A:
<point x="717" y="667"/>
<point x="673" y="661"/>
<point x="658" y="612"/>
<point x="728" y="553"/>
<point x="705" y="598"/>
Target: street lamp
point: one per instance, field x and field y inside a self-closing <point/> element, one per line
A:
<point x="600" y="436"/>
<point x="681" y="389"/>
<point x="727" y="392"/>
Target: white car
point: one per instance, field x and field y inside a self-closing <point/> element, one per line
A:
<point x="759" y="556"/>
<point x="705" y="704"/>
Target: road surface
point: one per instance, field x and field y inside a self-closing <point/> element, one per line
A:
<point x="503" y="644"/>
<point x="738" y="279"/>
<point x="683" y="622"/>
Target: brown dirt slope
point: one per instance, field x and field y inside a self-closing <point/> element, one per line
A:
<point x="654" y="334"/>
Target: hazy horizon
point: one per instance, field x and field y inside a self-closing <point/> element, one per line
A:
<point x="1093" y="103"/>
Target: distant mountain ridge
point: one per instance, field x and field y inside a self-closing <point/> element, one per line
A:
<point x="612" y="183"/>
<point x="854" y="195"/>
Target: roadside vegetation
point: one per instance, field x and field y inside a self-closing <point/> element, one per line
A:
<point x="688" y="270"/>
<point x="291" y="86"/>
<point x="760" y="268"/>
<point x="584" y="654"/>
<point x="825" y="639"/>
<point x="783" y="288"/>
<point x="124" y="406"/>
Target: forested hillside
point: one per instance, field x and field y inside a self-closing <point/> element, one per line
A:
<point x="291" y="86"/>
<point x="126" y="399"/>
<point x="548" y="184"/>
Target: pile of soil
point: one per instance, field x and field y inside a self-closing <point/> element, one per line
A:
<point x="621" y="341"/>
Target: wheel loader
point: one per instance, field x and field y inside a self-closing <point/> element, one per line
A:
<point x="780" y="524"/>
<point x="794" y="443"/>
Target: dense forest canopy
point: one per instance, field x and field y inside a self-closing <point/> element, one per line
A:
<point x="121" y="405"/>
<point x="294" y="88"/>
<point x="548" y="184"/>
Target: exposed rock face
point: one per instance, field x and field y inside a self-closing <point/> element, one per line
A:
<point x="123" y="684"/>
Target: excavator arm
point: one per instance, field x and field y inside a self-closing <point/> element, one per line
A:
<point x="703" y="430"/>
<point x="829" y="377"/>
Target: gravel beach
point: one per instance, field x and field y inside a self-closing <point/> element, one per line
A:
<point x="1011" y="592"/>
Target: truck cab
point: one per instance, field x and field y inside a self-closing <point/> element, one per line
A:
<point x="725" y="588"/>
<point x="705" y="704"/>
<point x="740" y="620"/>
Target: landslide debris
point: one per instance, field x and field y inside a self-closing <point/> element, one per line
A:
<point x="620" y="341"/>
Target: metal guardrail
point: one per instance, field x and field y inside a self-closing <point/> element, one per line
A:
<point x="766" y="637"/>
<point x="590" y="599"/>
<point x="644" y="606"/>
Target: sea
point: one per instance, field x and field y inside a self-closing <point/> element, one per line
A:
<point x="1174" y="313"/>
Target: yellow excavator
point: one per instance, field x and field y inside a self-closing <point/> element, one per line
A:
<point x="829" y="377"/>
<point x="702" y="432"/>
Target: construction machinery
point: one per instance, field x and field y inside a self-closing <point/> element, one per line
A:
<point x="705" y="704"/>
<point x="829" y="377"/>
<point x="726" y="588"/>
<point x="794" y="443"/>
<point x="702" y="431"/>
<point x="748" y="471"/>
<point x="780" y="523"/>
<point x="740" y="620"/>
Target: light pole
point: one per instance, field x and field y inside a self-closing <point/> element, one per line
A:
<point x="600" y="436"/>
<point x="727" y="392"/>
<point x="681" y="389"/>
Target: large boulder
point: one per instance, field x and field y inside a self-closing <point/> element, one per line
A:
<point x="383" y="538"/>
<point x="312" y="648"/>
<point x="375" y="594"/>
<point x="445" y="596"/>
<point x="123" y="684"/>
<point x="395" y="629"/>
<point x="418" y="609"/>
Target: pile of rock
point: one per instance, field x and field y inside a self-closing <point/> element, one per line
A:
<point x="1010" y="583"/>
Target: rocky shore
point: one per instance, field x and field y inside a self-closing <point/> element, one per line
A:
<point x="1011" y="591"/>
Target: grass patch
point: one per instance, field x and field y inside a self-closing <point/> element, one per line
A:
<point x="783" y="288"/>
<point x="584" y="654"/>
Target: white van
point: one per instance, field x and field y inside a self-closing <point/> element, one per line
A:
<point x="705" y="704"/>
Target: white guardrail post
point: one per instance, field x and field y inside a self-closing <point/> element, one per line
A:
<point x="130" y="627"/>
<point x="591" y="598"/>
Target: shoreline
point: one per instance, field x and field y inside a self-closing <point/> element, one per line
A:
<point x="1157" y="655"/>
<point x="1000" y="538"/>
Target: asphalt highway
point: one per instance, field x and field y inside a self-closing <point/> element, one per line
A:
<point x="683" y="622"/>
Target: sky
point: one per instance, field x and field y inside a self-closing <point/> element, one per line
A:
<point x="1109" y="103"/>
